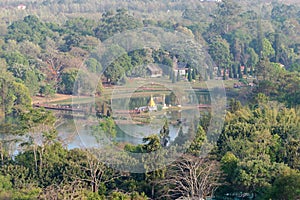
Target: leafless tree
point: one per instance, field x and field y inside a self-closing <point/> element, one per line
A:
<point x="72" y="190"/>
<point x="96" y="171"/>
<point x="191" y="178"/>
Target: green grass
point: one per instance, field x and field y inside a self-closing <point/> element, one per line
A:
<point x="74" y="100"/>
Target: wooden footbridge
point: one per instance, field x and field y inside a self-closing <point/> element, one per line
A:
<point x="58" y="107"/>
<point x="80" y="110"/>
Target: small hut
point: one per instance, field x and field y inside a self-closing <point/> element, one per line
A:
<point x="154" y="71"/>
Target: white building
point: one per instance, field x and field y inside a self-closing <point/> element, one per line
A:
<point x="21" y="7"/>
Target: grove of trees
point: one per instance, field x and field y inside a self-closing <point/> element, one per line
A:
<point x="257" y="155"/>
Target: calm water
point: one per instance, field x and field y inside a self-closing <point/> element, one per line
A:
<point x="82" y="135"/>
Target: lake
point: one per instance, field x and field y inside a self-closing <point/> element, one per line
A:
<point x="77" y="133"/>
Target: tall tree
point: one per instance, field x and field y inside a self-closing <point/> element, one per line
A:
<point x="164" y="134"/>
<point x="220" y="52"/>
<point x="190" y="74"/>
<point x="192" y="178"/>
<point x="260" y="38"/>
<point x="198" y="140"/>
<point x="116" y="23"/>
<point x="277" y="47"/>
<point x="253" y="58"/>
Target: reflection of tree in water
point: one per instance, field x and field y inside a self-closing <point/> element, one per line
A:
<point x="165" y="134"/>
<point x="199" y="97"/>
<point x="136" y="102"/>
<point x="103" y="109"/>
<point x="171" y="99"/>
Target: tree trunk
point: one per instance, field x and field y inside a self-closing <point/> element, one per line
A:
<point x="35" y="158"/>
<point x="41" y="158"/>
<point x="152" y="191"/>
<point x="94" y="185"/>
<point x="2" y="154"/>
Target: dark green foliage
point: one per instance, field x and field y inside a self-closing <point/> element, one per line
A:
<point x="14" y="95"/>
<point x="253" y="57"/>
<point x="153" y="143"/>
<point x="71" y="40"/>
<point x="173" y="77"/>
<point x="68" y="79"/>
<point x="251" y="71"/>
<point x="115" y="23"/>
<point x="235" y="70"/>
<point x="164" y="134"/>
<point x="171" y="99"/>
<point x="80" y="26"/>
<point x="193" y="74"/>
<point x="190" y="75"/>
<point x="220" y="53"/>
<point x="47" y="90"/>
<point x="251" y="145"/>
<point x="15" y="58"/>
<point x="178" y="76"/>
<point x="259" y="40"/>
<point x="234" y="105"/>
<point x="230" y="73"/>
<point x="197" y="142"/>
<point x="287" y="186"/>
<point x="30" y="28"/>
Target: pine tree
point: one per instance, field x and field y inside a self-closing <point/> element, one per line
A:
<point x="178" y="76"/>
<point x="245" y="71"/>
<point x="224" y="75"/>
<point x="171" y="74"/>
<point x="189" y="75"/>
<point x="230" y="73"/>
<point x="165" y="134"/>
<point x="173" y="77"/>
<point x="260" y="38"/>
<point x="200" y="137"/>
<point x="240" y="72"/>
<point x="235" y="71"/>
<point x="277" y="47"/>
<point x="211" y="74"/>
<point x="194" y="74"/>
<point x="251" y="71"/>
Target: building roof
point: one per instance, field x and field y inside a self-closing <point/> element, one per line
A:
<point x="154" y="68"/>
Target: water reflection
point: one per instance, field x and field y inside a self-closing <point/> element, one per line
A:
<point x="131" y="128"/>
<point x="82" y="135"/>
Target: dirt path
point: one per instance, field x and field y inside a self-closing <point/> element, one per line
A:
<point x="57" y="97"/>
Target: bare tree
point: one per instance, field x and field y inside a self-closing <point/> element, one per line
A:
<point x="191" y="178"/>
<point x="39" y="127"/>
<point x="96" y="171"/>
<point x="71" y="190"/>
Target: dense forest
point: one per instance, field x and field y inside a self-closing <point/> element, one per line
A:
<point x="48" y="47"/>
